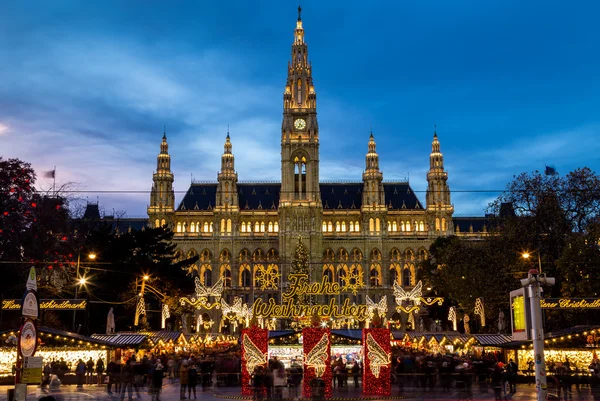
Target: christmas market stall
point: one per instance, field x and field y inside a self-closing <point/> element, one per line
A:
<point x="54" y="345"/>
<point x="575" y="346"/>
<point x="124" y="345"/>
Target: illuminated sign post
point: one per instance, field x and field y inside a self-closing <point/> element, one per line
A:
<point x="47" y="304"/>
<point x="520" y="315"/>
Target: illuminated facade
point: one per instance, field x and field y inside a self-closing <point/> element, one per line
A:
<point x="242" y="229"/>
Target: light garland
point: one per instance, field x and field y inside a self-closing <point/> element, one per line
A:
<point x="380" y="307"/>
<point x="480" y="310"/>
<point x="317" y="351"/>
<point x="377" y="362"/>
<point x="71" y="356"/>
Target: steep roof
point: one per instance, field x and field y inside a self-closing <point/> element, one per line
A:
<point x="463" y="224"/>
<point x="334" y="195"/>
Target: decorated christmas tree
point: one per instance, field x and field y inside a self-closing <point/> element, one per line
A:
<point x="300" y="261"/>
<point x="300" y="265"/>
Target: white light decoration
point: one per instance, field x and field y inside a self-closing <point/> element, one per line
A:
<point x="206" y="292"/>
<point x="317" y="357"/>
<point x="380" y="307"/>
<point x="413" y="295"/>
<point x="139" y="310"/>
<point x="377" y="356"/>
<point x="453" y="318"/>
<point x="165" y="315"/>
<point x="480" y="310"/>
<point x="253" y="355"/>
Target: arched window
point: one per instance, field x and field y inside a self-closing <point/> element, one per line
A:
<point x="351" y="226"/>
<point x="262" y="226"/>
<point x="409" y="254"/>
<point x="276" y="227"/>
<point x="393" y="277"/>
<point x="377" y="225"/>
<point x="243" y="227"/>
<point x="299" y="87"/>
<point x="324" y="227"/>
<point x="225" y="260"/>
<point x="402" y="226"/>
<point x="421" y="226"/>
<point x="374" y="278"/>
<point x="178" y="227"/>
<point x="249" y="227"/>
<point x="330" y="226"/>
<point x="408" y="226"/>
<point x="163" y="223"/>
<point x="246" y="279"/>
<point x="422" y="254"/>
<point x="371" y="225"/>
<point x="256" y="227"/>
<point x="211" y="227"/>
<point x="228" y="225"/>
<point x="205" y="226"/>
<point x="328" y="272"/>
<point x="343" y="226"/>
<point x="208" y="277"/>
<point x="156" y="223"/>
<point x="337" y="226"/>
<point x="270" y="226"/>
<point x="443" y="224"/>
<point x="406" y="277"/>
<point x="222" y="225"/>
<point x="437" y="224"/>
<point x="356" y="226"/>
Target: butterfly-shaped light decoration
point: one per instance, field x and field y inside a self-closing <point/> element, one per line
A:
<point x="205" y="292"/>
<point x="413" y="295"/>
<point x="377" y="356"/>
<point x="380" y="307"/>
<point x="254" y="356"/>
<point x="317" y="357"/>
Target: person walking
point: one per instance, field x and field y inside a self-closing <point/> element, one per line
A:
<point x="99" y="370"/>
<point x="80" y="373"/>
<point x="89" y="371"/>
<point x="127" y="380"/>
<point x="511" y="370"/>
<point x="158" y="372"/>
<point x="110" y="372"/>
<point x="355" y="373"/>
<point x="192" y="379"/>
<point x="183" y="379"/>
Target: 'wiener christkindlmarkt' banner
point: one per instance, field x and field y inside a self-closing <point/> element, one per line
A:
<point x="254" y="353"/>
<point x="377" y="362"/>
<point x="317" y="365"/>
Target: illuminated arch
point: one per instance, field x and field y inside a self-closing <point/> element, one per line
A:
<point x="225" y="267"/>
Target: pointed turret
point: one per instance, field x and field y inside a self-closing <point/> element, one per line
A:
<point x="439" y="207"/>
<point x="162" y="196"/>
<point x="373" y="202"/>
<point x="227" y="190"/>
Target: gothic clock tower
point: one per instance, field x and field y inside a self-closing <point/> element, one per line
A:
<point x="300" y="207"/>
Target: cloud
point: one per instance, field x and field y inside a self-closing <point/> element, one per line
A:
<point x="3" y="129"/>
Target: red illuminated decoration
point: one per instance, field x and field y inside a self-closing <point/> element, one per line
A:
<point x="377" y="365"/>
<point x="317" y="355"/>
<point x="254" y="353"/>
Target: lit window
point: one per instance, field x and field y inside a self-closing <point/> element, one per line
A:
<point x="421" y="226"/>
<point x="337" y="226"/>
<point x="276" y="227"/>
<point x="330" y="226"/>
<point x="243" y="227"/>
<point x="351" y="226"/>
<point x="324" y="227"/>
<point x="222" y="225"/>
<point x="178" y="227"/>
<point x="377" y="225"/>
<point x="256" y="227"/>
<point x="228" y="225"/>
<point x="205" y="226"/>
<point x="270" y="226"/>
<point x="343" y="226"/>
<point x="262" y="226"/>
<point x="394" y="226"/>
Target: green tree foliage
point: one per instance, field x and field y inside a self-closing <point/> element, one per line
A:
<point x="557" y="218"/>
<point x="300" y="265"/>
<point x="34" y="230"/>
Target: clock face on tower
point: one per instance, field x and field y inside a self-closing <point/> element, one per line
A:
<point x="299" y="123"/>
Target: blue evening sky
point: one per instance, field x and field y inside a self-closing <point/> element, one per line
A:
<point x="87" y="86"/>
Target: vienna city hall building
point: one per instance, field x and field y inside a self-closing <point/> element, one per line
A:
<point x="373" y="230"/>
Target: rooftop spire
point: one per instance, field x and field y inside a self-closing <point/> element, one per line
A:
<point x="299" y="13"/>
<point x="165" y="132"/>
<point x="227" y="131"/>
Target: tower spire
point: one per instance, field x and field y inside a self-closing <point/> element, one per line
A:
<point x="439" y="206"/>
<point x="299" y="12"/>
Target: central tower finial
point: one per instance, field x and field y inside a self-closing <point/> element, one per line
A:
<point x="299" y="13"/>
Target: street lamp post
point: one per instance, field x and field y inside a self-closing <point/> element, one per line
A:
<point x="80" y="280"/>
<point x="527" y="255"/>
<point x="533" y="283"/>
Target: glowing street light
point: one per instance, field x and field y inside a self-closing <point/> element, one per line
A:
<point x="146" y="277"/>
<point x="82" y="281"/>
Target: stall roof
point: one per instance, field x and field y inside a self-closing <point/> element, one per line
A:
<point x="492" y="339"/>
<point x="355" y="334"/>
<point x="166" y="336"/>
<point x="122" y="339"/>
<point x="570" y="330"/>
<point x="68" y="334"/>
<point x="280" y="333"/>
